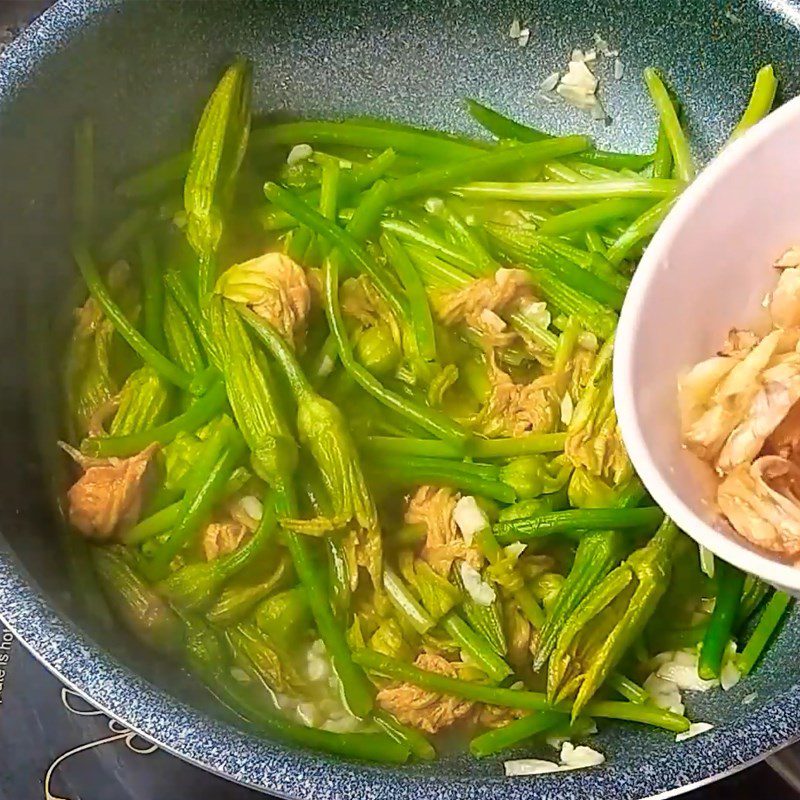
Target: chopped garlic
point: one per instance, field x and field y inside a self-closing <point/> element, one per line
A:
<point x="579" y="76"/>
<point x="524" y="37"/>
<point x="680" y="667"/>
<point x="588" y="341"/>
<point x="550" y="82"/>
<point x="729" y="676"/>
<point x="749" y="698"/>
<point x="476" y="587"/>
<point x="492" y="321"/>
<point x="537" y="313"/>
<point x="618" y="69"/>
<point x="252" y="506"/>
<point x="515" y="30"/>
<point x="238" y="674"/>
<point x="580" y="756"/>
<point x="567" y="408"/>
<point x="694" y="729"/>
<point x="515" y="549"/>
<point x="469" y="517"/>
<point x="299" y="152"/>
<point x="529" y="766"/>
<point x="572" y="757"/>
<point x="664" y="694"/>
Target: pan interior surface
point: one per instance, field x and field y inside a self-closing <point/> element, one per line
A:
<point x="142" y="70"/>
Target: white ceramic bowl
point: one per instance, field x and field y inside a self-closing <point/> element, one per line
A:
<point x="707" y="269"/>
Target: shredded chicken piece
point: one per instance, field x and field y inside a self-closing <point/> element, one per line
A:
<point x="107" y="498"/>
<point x="784" y="308"/>
<point x="762" y="502"/>
<point x="276" y="288"/>
<point x="790" y="258"/>
<point x="428" y="711"/>
<point x="221" y="538"/>
<point x="780" y="390"/>
<point x="716" y="394"/>
<point x="505" y="289"/>
<point x="739" y="342"/>
<point x="433" y="507"/>
<point x="516" y="409"/>
<point x="784" y="441"/>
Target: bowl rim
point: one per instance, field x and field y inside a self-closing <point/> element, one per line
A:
<point x="725" y="545"/>
<point x="261" y="764"/>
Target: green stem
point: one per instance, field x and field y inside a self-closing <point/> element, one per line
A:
<point x="591" y="216"/>
<point x="766" y="627"/>
<point x="760" y="103"/>
<point x="490" y="547"/>
<point x="122" y="324"/>
<point x="577" y="520"/>
<point x="358" y="135"/>
<point x="156" y="179"/>
<point x="630" y="690"/>
<point x="409" y="737"/>
<point x="201" y="411"/>
<point x="418" y="305"/>
<point x="505" y="128"/>
<point x="414" y="471"/>
<point x="123" y="234"/>
<point x="405" y="603"/>
<point x="477" y="647"/>
<point x="207" y="486"/>
<point x="730" y="582"/>
<point x="547" y="191"/>
<point x="152" y="293"/>
<point x="531" y="444"/>
<point x="682" y="156"/>
<point x="662" y="163"/>
<point x="491" y="742"/>
<point x="500" y="161"/>
<point x="642" y="227"/>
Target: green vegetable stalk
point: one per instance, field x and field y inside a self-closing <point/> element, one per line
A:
<point x="730" y="583"/>
<point x="285" y="617"/>
<point x="238" y="599"/>
<point x="761" y="100"/>
<point x="609" y="619"/>
<point x="223" y="451"/>
<point x="180" y="338"/>
<point x="252" y="396"/>
<point x="322" y="429"/>
<point x="199" y="413"/>
<point x="219" y="147"/>
<point x="141" y="609"/>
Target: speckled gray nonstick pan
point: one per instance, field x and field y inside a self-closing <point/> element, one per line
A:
<point x="142" y="69"/>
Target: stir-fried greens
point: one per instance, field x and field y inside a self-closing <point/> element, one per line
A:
<point x="347" y="449"/>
